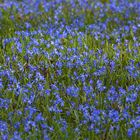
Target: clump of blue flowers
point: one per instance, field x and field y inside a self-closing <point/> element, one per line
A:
<point x="69" y="69"/>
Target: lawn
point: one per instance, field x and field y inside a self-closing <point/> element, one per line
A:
<point x="69" y="70"/>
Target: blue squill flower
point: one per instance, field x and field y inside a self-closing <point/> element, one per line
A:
<point x="72" y="91"/>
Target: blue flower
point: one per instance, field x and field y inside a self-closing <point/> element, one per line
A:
<point x="88" y="90"/>
<point x="130" y="132"/>
<point x="100" y="71"/>
<point x="3" y="126"/>
<point x="4" y="136"/>
<point x="17" y="125"/>
<point x="131" y="98"/>
<point x="39" y="117"/>
<point x="114" y="116"/>
<point x="16" y="136"/>
<point x="4" y="103"/>
<point x="19" y="47"/>
<point x="48" y="92"/>
<point x="72" y="91"/>
<point x="100" y="86"/>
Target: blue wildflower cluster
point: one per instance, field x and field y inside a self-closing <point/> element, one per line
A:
<point x="69" y="69"/>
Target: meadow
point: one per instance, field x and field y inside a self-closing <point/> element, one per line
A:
<point x="69" y="70"/>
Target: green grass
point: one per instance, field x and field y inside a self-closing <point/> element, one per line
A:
<point x="117" y="78"/>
